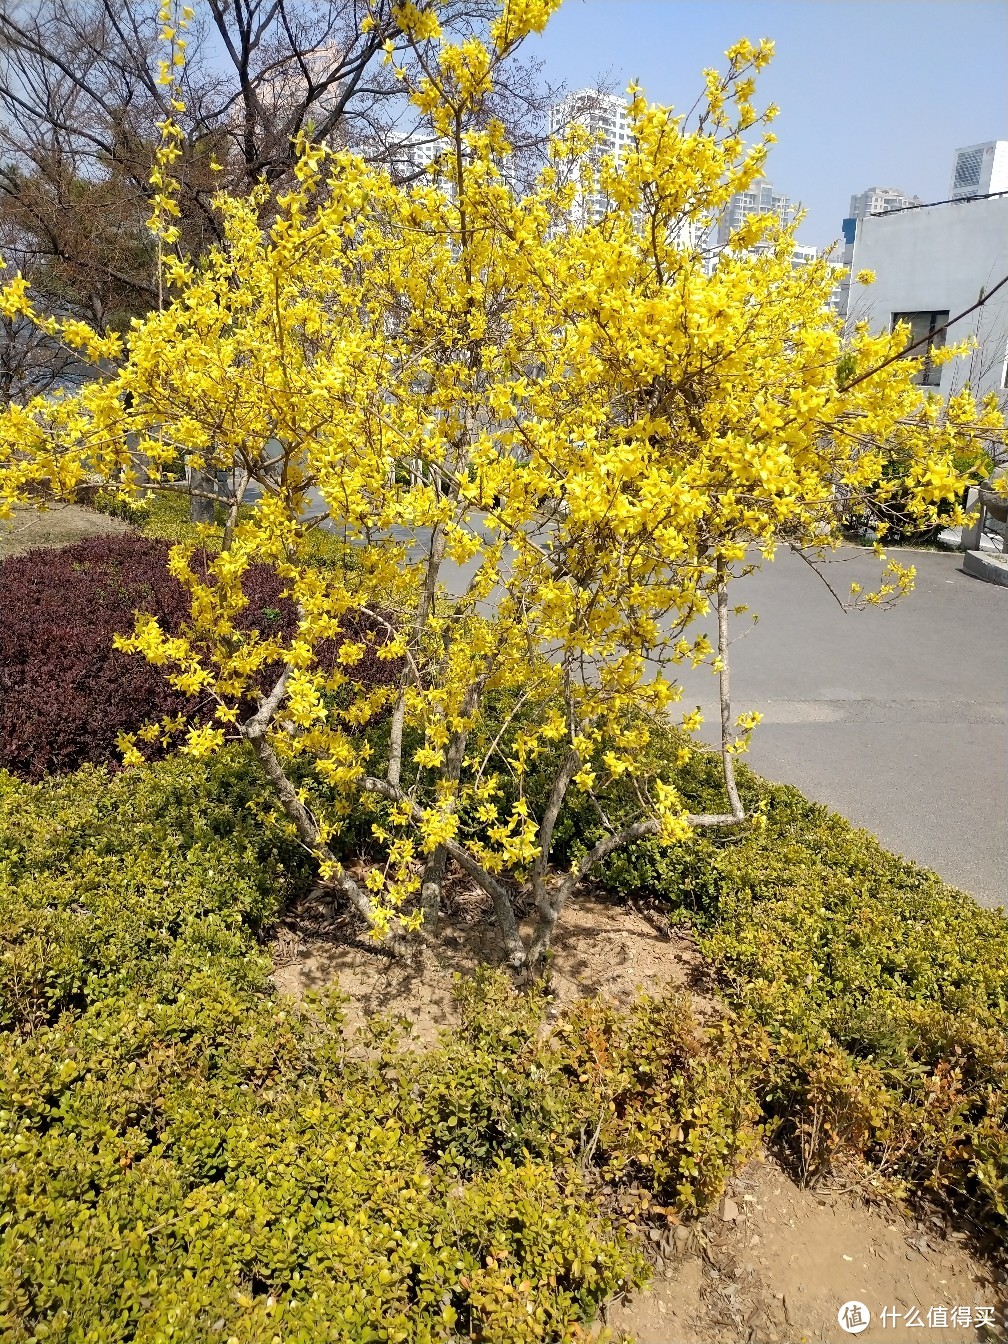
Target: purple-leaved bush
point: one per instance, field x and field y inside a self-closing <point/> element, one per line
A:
<point x="65" y="693"/>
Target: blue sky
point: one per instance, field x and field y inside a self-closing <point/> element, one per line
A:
<point x="872" y="92"/>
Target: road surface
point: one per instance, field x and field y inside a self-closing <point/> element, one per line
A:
<point x="896" y="718"/>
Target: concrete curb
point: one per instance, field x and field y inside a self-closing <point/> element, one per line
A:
<point x="987" y="565"/>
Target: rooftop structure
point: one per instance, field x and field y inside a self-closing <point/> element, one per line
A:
<point x="980" y="170"/>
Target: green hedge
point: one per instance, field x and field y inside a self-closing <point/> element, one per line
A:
<point x="885" y="994"/>
<point x="109" y="885"/>
<point x="877" y="994"/>
<point x="218" y="1167"/>
<point x="185" y="1156"/>
<point x="642" y="1098"/>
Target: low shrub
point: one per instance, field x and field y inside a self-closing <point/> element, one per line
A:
<point x="879" y="993"/>
<point x="682" y="1111"/>
<point x="639" y="1098"/>
<point x="219" y="1166"/>
<point x="126" y="508"/>
<point x="134" y="881"/>
<point x="65" y="693"/>
<point x="885" y="996"/>
<point x="893" y="512"/>
<point x="183" y="1154"/>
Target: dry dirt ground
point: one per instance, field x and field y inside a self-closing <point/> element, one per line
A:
<point x="58" y="525"/>
<point x="774" y="1263"/>
<point x="599" y="948"/>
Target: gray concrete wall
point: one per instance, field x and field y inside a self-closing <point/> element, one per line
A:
<point x="940" y="257"/>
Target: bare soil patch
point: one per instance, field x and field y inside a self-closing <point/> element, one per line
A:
<point x="600" y="948"/>
<point x="774" y="1264"/>
<point x="57" y="525"/>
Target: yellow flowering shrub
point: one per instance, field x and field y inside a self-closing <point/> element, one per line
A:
<point x="548" y="447"/>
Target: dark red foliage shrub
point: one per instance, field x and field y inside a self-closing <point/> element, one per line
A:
<point x="65" y="693"/>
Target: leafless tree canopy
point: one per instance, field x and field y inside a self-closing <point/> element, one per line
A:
<point x="80" y="103"/>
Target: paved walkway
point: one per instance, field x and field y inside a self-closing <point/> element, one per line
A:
<point x="898" y="718"/>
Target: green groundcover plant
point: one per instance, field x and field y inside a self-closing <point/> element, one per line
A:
<point x="877" y="994"/>
<point x="185" y="1156"/>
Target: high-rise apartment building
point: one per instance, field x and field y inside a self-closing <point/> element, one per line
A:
<point x="879" y="201"/>
<point x="605" y="115"/>
<point x="980" y="170"/>
<point x="409" y="155"/>
<point x="607" y="118"/>
<point x="759" y="199"/>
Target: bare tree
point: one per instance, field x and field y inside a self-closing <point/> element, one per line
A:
<point x="30" y="363"/>
<point x="81" y="103"/>
<point x="79" y="91"/>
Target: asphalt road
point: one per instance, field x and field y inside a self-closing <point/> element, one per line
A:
<point x="896" y="718"/>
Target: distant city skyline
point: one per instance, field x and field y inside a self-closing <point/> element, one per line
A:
<point x="870" y="90"/>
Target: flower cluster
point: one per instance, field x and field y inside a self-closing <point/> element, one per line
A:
<point x="547" y="446"/>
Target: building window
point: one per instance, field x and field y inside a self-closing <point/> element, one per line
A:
<point x="929" y="327"/>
